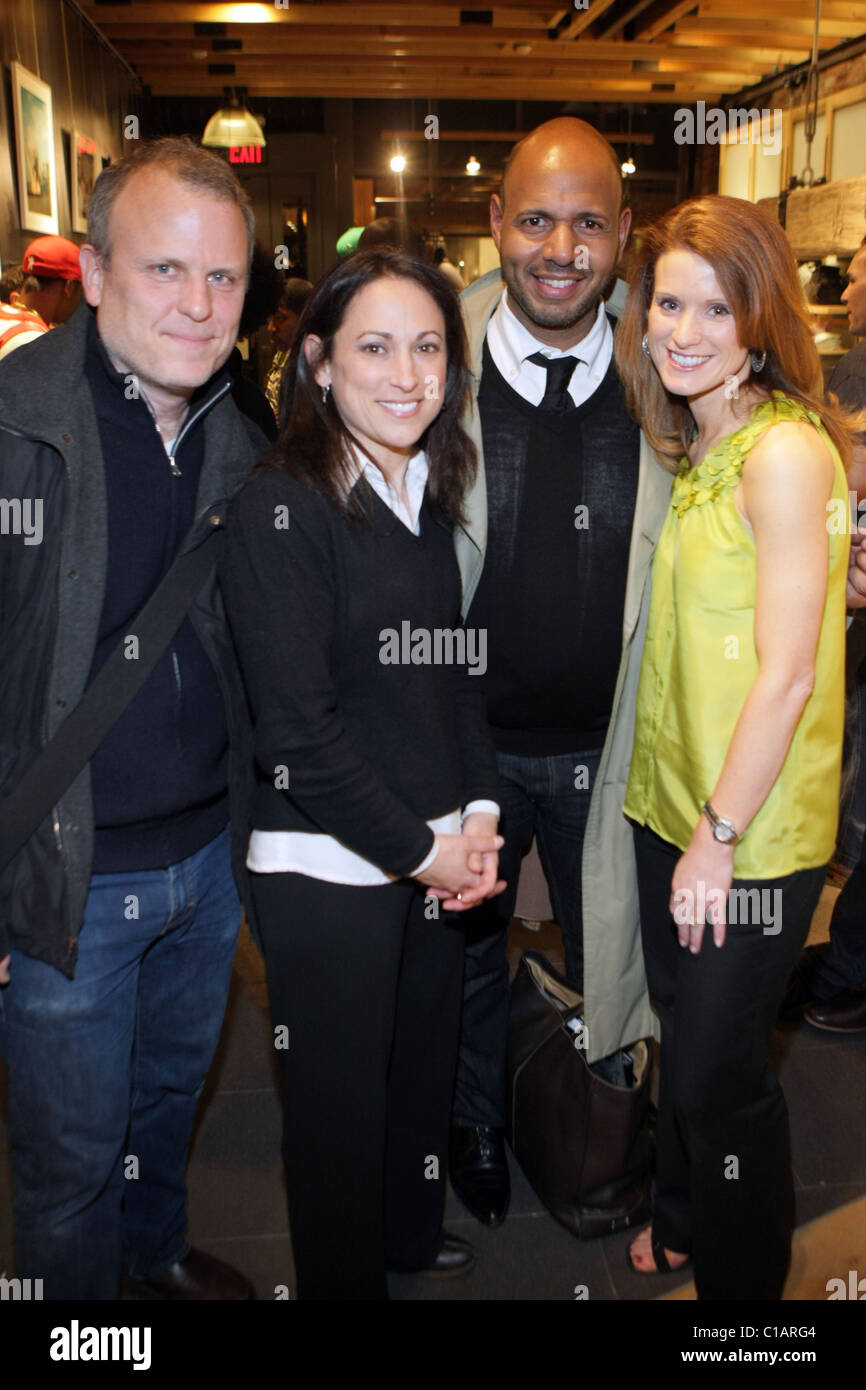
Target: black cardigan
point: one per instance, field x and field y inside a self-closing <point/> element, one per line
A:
<point x="370" y="751"/>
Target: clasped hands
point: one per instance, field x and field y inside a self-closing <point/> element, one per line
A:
<point x="464" y="871"/>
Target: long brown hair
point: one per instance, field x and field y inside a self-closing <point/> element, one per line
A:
<point x="755" y="266"/>
<point x="314" y="445"/>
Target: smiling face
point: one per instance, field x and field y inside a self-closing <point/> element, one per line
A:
<point x="170" y="299"/>
<point x="560" y="231"/>
<point x="691" y="330"/>
<point x="855" y="294"/>
<point x="387" y="368"/>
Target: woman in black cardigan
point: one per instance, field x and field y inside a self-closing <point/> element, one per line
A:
<point x="375" y="816"/>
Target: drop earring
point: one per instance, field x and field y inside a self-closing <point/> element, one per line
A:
<point x="644" y="342"/>
<point x="325" y="390"/>
<point x="758" y="360"/>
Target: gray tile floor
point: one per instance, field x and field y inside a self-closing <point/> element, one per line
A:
<point x="237" y="1196"/>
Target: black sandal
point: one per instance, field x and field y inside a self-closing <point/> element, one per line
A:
<point x="661" y="1259"/>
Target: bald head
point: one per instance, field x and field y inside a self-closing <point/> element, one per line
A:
<point x="560" y="143"/>
<point x="559" y="228"/>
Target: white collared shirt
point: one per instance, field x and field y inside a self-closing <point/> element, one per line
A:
<point x="417" y="471"/>
<point x="323" y="856"/>
<point x="511" y="344"/>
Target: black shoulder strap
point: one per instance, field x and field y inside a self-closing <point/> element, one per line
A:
<point x="116" y="684"/>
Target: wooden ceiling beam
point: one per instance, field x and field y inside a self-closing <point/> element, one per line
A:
<point x="512" y="67"/>
<point x="662" y="17"/>
<point x="299" y="16"/>
<point x="496" y="89"/>
<point x="353" y="30"/>
<point x="423" y="81"/>
<point x="422" y="78"/>
<point x="444" y="43"/>
<point x="735" y="30"/>
<point x="582" y="20"/>
<point x="173" y="54"/>
<point x="783" y="53"/>
<point x="853" y="10"/>
<point x="504" y="137"/>
<point x="626" y="18"/>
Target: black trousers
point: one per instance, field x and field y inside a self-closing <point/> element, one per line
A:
<point x="369" y="990"/>
<point x="724" y="1188"/>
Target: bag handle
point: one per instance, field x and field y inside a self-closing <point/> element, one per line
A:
<point x="56" y="766"/>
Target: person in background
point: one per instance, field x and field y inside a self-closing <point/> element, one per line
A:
<point x="376" y="797"/>
<point x="443" y="262"/>
<point x="260" y="304"/>
<point x="18" y="324"/>
<point x="830" y="979"/>
<point x="734" y="779"/>
<point x="347" y="244"/>
<point x="282" y="326"/>
<point x="11" y="280"/>
<point x="386" y="231"/>
<point x="52" y="262"/>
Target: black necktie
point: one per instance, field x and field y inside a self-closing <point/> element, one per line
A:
<point x="559" y="370"/>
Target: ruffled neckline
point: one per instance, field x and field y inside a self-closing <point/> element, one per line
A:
<point x="722" y="465"/>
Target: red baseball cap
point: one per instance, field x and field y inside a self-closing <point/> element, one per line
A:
<point x="52" y="256"/>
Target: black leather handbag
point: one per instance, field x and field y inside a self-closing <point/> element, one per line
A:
<point x="582" y="1142"/>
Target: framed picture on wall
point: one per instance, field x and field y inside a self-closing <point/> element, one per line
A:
<point x="34" y="148"/>
<point x="86" y="168"/>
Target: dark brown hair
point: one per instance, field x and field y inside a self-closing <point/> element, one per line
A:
<point x="315" y="445"/>
<point x="755" y="266"/>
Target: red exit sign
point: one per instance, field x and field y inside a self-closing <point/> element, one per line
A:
<point x="245" y="154"/>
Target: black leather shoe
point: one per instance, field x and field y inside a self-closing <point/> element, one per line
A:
<point x="455" y="1256"/>
<point x="197" y="1276"/>
<point x="479" y="1171"/>
<point x="844" y="1013"/>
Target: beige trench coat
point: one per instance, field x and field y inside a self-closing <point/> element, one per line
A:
<point x="616" y="1004"/>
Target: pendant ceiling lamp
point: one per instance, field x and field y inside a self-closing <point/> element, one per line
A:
<point x="233" y="124"/>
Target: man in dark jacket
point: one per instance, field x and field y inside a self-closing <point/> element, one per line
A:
<point x="119" y="445"/>
<point x="831" y="975"/>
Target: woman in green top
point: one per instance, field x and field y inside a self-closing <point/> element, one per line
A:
<point x="735" y="771"/>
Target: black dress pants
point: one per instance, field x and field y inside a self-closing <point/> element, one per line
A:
<point x="724" y="1188"/>
<point x="369" y="991"/>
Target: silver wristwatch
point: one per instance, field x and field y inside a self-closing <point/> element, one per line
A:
<point x="723" y="830"/>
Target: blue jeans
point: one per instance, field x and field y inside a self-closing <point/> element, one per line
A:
<point x="105" y="1072"/>
<point x="538" y="797"/>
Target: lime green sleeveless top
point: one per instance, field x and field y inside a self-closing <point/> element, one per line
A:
<point x="699" y="663"/>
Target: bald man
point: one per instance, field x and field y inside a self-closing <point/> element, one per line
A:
<point x="555" y="556"/>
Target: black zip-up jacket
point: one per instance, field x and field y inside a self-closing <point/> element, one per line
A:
<point x="51" y="596"/>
